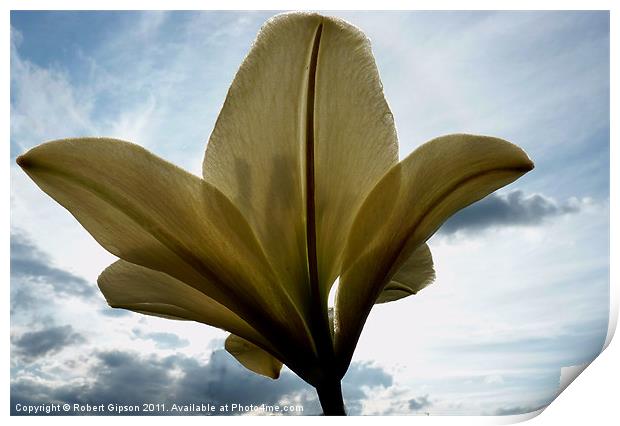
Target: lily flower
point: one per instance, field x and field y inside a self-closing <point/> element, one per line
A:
<point x="301" y="185"/>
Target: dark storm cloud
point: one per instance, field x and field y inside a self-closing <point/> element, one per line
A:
<point x="513" y="208"/>
<point x="30" y="265"/>
<point x="419" y="403"/>
<point x="223" y="380"/>
<point x="34" y="344"/>
<point x="126" y="378"/>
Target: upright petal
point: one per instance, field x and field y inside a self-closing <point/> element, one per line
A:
<point x="406" y="208"/>
<point x="151" y="213"/>
<point x="355" y="138"/>
<point x="415" y="273"/>
<point x="150" y="292"/>
<point x="252" y="357"/>
<point x="303" y="136"/>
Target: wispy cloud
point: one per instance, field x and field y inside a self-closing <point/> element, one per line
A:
<point x="476" y="72"/>
<point x="509" y="411"/>
<point x="45" y="105"/>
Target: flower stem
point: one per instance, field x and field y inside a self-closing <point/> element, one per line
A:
<point x="330" y="396"/>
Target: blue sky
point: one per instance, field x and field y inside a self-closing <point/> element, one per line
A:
<point x="523" y="276"/>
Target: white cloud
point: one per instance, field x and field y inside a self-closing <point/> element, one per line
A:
<point x="45" y="104"/>
<point x="513" y="75"/>
<point x="509" y="304"/>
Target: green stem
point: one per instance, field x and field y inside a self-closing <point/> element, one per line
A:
<point x="330" y="396"/>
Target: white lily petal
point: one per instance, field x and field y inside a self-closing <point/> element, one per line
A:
<point x="406" y="207"/>
<point x="151" y="213"/>
<point x="416" y="273"/>
<point x="303" y="136"/>
<point x="252" y="357"/>
<point x="144" y="290"/>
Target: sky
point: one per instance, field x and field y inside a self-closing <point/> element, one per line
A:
<point x="522" y="284"/>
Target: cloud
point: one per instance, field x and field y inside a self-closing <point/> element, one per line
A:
<point x="360" y="375"/>
<point x="416" y="404"/>
<point x="45" y="105"/>
<point x="34" y="344"/>
<point x="115" y="312"/>
<point x="31" y="272"/>
<point x="127" y="378"/>
<point x="509" y="411"/>
<point x="511" y="209"/>
<point x="368" y="374"/>
<point x="162" y="340"/>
